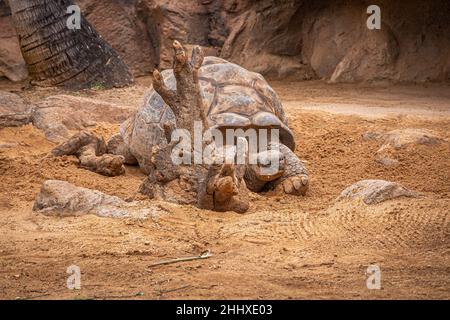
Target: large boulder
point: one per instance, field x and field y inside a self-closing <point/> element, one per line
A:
<point x="60" y="198"/>
<point x="14" y="111"/>
<point x="375" y="191"/>
<point x="57" y="115"/>
<point x="330" y="32"/>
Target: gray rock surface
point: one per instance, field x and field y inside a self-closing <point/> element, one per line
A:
<point x="375" y="191"/>
<point x="371" y="59"/>
<point x="397" y="139"/>
<point x="14" y="111"/>
<point x="60" y="198"/>
<point x="386" y="161"/>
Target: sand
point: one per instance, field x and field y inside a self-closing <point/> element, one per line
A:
<point x="285" y="247"/>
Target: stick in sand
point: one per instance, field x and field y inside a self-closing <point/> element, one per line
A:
<point x="203" y="255"/>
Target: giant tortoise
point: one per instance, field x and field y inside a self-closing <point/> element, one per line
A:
<point x="223" y="95"/>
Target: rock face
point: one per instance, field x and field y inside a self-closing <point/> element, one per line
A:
<point x="12" y="64"/>
<point x="371" y="59"/>
<point x="57" y="115"/>
<point x="375" y="191"/>
<point x="304" y="39"/>
<point x="14" y="111"/>
<point x="122" y="24"/>
<point x="190" y="22"/>
<point x="61" y="198"/>
<point x="274" y="49"/>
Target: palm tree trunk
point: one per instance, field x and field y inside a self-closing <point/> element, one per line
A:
<point x="59" y="56"/>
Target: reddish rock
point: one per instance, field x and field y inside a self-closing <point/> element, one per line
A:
<point x="60" y="198"/>
<point x="12" y="64"/>
<point x="57" y="115"/>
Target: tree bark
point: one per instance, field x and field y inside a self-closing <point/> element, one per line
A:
<point x="59" y="56"/>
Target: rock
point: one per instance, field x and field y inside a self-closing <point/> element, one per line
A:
<point x="143" y="31"/>
<point x="330" y="40"/>
<point x="130" y="32"/>
<point x="57" y="115"/>
<point x="304" y="39"/>
<point x="190" y="22"/>
<point x="370" y="135"/>
<point x="60" y="198"/>
<point x="372" y="59"/>
<point x="12" y="64"/>
<point x="8" y="145"/>
<point x="14" y="111"/>
<point x="386" y="161"/>
<point x="400" y="138"/>
<point x="375" y="191"/>
<point x="273" y="49"/>
<point x="327" y="40"/>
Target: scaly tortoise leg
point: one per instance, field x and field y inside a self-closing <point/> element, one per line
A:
<point x="91" y="151"/>
<point x="295" y="178"/>
<point x="225" y="189"/>
<point x="185" y="102"/>
<point x="117" y="146"/>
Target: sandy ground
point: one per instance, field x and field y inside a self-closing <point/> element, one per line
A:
<point x="284" y="248"/>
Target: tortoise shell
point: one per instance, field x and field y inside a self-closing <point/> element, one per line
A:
<point x="236" y="97"/>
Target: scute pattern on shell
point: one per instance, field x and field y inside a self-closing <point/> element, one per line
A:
<point x="227" y="87"/>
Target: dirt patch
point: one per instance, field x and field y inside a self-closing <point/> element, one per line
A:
<point x="284" y="247"/>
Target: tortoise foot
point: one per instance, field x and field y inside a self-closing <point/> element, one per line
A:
<point x="295" y="185"/>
